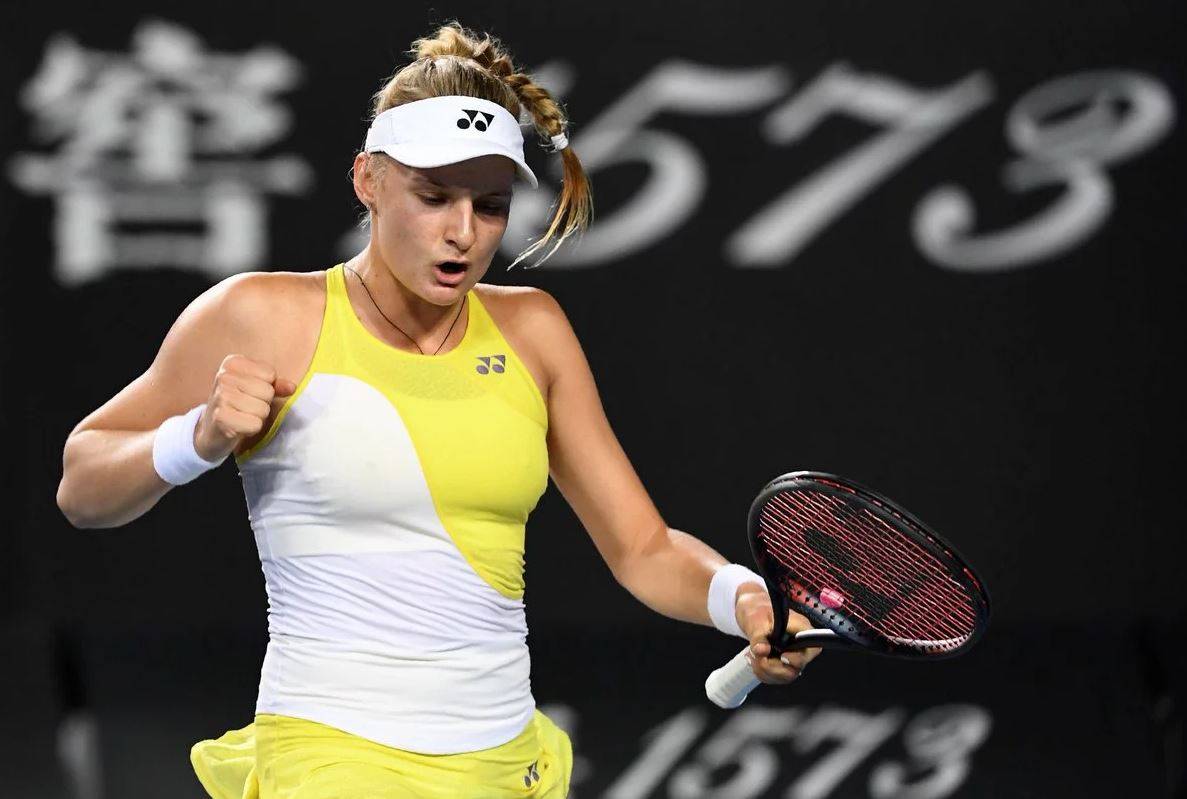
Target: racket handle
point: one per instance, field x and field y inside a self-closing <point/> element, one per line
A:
<point x="729" y="685"/>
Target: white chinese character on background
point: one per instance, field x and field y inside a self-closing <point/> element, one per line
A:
<point x="154" y="162"/>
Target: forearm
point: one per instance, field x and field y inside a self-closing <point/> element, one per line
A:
<point x="671" y="575"/>
<point x="108" y="478"/>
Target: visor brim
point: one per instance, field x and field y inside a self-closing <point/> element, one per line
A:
<point x="425" y="156"/>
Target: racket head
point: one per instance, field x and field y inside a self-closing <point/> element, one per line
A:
<point x="857" y="563"/>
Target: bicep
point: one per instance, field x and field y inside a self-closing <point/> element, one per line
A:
<point x="212" y="326"/>
<point x="586" y="460"/>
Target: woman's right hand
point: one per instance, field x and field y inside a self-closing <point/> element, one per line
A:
<point x="239" y="404"/>
<point x="251" y="313"/>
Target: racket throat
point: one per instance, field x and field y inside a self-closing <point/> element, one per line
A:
<point x="781" y="641"/>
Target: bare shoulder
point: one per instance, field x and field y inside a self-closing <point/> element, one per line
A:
<point x="275" y="300"/>
<point x="286" y="309"/>
<point x="519" y="305"/>
<point x="248" y="314"/>
<point x="273" y="295"/>
<point x="251" y="313"/>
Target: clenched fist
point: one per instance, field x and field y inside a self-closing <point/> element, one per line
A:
<point x="239" y="404"/>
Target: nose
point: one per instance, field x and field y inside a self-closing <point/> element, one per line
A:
<point x="461" y="224"/>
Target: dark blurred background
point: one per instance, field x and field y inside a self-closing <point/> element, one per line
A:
<point x="934" y="247"/>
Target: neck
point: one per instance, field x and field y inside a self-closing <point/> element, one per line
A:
<point x="416" y="316"/>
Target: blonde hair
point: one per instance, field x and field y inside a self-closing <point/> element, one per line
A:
<point x="458" y="61"/>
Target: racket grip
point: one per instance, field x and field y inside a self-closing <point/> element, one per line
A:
<point x="729" y="685"/>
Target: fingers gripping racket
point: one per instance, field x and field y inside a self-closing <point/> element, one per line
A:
<point x="866" y="573"/>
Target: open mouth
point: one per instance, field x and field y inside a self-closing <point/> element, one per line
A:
<point x="450" y="273"/>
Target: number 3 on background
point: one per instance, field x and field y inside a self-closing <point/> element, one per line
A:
<point x="1120" y="114"/>
<point x="939" y="739"/>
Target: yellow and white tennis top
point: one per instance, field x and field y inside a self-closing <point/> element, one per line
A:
<point x="388" y="501"/>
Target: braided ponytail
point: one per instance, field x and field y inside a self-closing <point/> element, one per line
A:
<point x="458" y="61"/>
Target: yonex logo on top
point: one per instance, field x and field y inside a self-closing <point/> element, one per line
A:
<point x="471" y="118"/>
<point x="491" y="363"/>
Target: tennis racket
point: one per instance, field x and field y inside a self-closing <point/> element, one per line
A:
<point x="867" y="574"/>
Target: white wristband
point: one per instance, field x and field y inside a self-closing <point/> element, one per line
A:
<point x="723" y="596"/>
<point x="173" y="453"/>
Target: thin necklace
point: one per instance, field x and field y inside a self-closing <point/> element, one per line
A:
<point x="397" y="327"/>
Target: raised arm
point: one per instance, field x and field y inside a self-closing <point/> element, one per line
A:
<point x="668" y="570"/>
<point x="108" y="477"/>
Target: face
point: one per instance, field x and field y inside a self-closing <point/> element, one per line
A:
<point x="424" y="216"/>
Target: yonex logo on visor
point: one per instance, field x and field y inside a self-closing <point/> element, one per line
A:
<point x="480" y="124"/>
<point x="444" y="130"/>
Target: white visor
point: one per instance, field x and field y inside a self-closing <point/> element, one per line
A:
<point x="444" y="130"/>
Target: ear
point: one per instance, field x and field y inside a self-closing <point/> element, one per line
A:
<point x="363" y="176"/>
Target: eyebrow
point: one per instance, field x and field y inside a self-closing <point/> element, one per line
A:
<point x="419" y="178"/>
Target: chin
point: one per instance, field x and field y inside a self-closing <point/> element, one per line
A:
<point x="446" y="295"/>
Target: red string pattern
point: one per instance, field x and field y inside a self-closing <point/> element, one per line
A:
<point x="883" y="577"/>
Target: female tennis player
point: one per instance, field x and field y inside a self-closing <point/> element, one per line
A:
<point x="394" y="422"/>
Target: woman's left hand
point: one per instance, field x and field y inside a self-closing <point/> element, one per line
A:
<point x="757" y="620"/>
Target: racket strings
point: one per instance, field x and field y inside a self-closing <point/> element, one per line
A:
<point x="883" y="596"/>
<point x="888" y="509"/>
<point x="897" y="589"/>
<point x="937" y="631"/>
<point x="922" y="581"/>
<point x="928" y="634"/>
<point x="887" y="581"/>
<point x="925" y="564"/>
<point x="846" y="514"/>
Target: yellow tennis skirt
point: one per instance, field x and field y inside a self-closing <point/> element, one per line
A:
<point x="281" y="757"/>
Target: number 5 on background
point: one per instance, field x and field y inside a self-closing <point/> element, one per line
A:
<point x="676" y="172"/>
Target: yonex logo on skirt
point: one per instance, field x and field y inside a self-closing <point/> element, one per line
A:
<point x="531" y="776"/>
